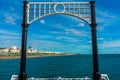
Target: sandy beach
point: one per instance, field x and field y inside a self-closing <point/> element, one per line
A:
<point x="14" y="57"/>
<point x="33" y="56"/>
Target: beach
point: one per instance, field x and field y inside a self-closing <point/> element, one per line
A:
<point x="28" y="56"/>
<point x="13" y="57"/>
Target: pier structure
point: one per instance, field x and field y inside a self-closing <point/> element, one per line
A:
<point x="33" y="11"/>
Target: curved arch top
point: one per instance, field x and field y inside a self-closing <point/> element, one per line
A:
<point x="37" y="10"/>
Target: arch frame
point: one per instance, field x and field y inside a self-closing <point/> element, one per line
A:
<point x="26" y="23"/>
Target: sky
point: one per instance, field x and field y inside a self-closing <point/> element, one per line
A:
<point x="62" y="33"/>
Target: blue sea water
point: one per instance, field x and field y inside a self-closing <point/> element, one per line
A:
<point x="62" y="66"/>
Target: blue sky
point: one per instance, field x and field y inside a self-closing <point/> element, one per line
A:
<point x="62" y="33"/>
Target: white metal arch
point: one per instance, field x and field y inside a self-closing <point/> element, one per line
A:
<point x="37" y="10"/>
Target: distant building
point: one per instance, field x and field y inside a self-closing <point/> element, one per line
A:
<point x="6" y="50"/>
<point x="14" y="49"/>
<point x="31" y="50"/>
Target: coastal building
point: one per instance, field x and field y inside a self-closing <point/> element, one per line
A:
<point x="53" y="53"/>
<point x="31" y="50"/>
<point x="4" y="50"/>
<point x="14" y="49"/>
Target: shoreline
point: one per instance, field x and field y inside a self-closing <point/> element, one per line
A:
<point x="15" y="57"/>
<point x="18" y="57"/>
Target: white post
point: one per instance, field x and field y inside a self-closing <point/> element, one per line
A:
<point x="34" y="11"/>
<point x="39" y="10"/>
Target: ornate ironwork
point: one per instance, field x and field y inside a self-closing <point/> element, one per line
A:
<point x="37" y="10"/>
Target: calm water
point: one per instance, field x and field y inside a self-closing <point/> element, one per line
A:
<point x="62" y="66"/>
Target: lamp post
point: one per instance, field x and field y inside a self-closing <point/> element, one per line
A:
<point x="22" y="74"/>
<point x="96" y="74"/>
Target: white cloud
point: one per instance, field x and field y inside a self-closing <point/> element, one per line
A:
<point x="46" y="44"/>
<point x="105" y="19"/>
<point x="71" y="31"/>
<point x="5" y="32"/>
<point x="68" y="30"/>
<point x="57" y="32"/>
<point x="42" y="21"/>
<point x="76" y="32"/>
<point x="103" y="16"/>
<point x="9" y="20"/>
<point x="9" y="37"/>
<point x="6" y="43"/>
<point x="90" y="41"/>
<point x="109" y="47"/>
<point x="110" y="44"/>
<point x="81" y="25"/>
<point x="37" y="36"/>
<point x="60" y="26"/>
<point x="70" y="39"/>
<point x="68" y="46"/>
<point x="101" y="39"/>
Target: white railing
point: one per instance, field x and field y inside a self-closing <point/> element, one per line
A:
<point x="86" y="78"/>
<point x="103" y="77"/>
<point x="15" y="77"/>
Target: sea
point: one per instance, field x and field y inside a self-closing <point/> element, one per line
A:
<point x="74" y="66"/>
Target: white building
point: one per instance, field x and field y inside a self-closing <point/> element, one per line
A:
<point x="5" y="50"/>
<point x="14" y="50"/>
<point x="31" y="50"/>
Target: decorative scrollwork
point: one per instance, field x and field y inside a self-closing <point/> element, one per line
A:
<point x="37" y="10"/>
